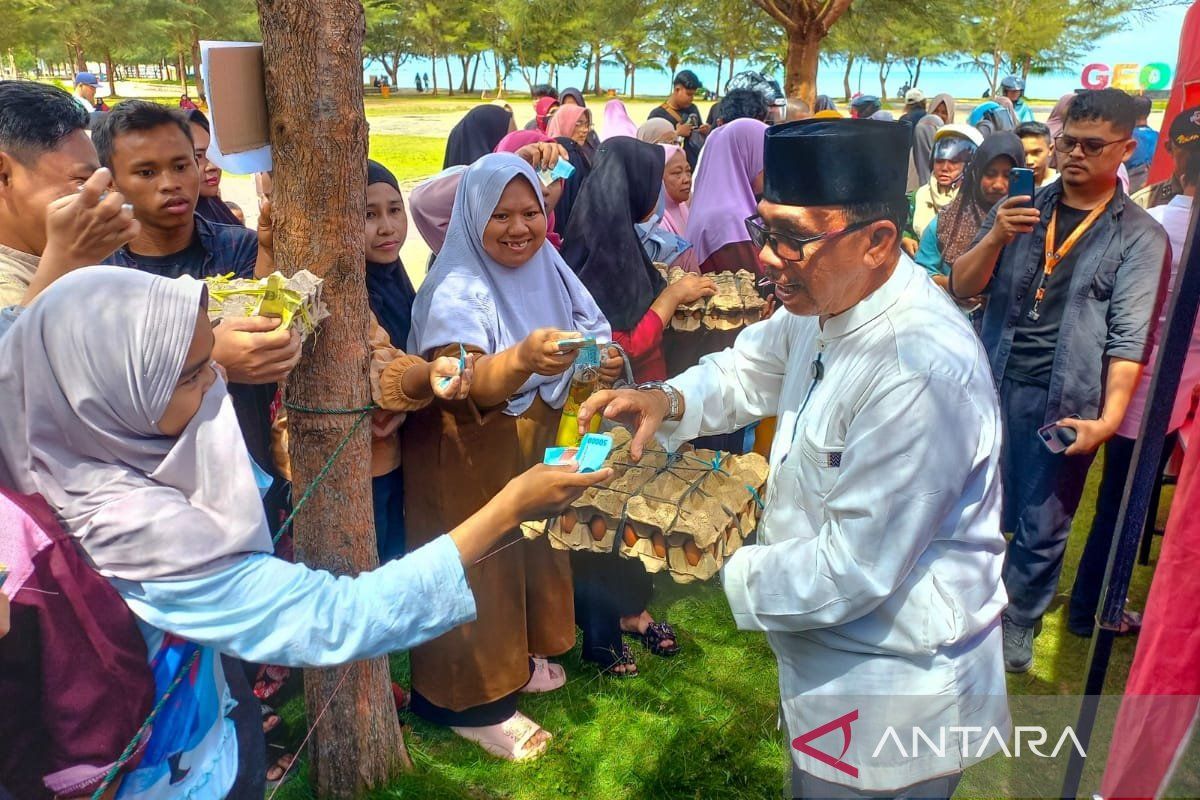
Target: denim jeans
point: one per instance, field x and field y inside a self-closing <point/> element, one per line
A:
<point x="1042" y="490"/>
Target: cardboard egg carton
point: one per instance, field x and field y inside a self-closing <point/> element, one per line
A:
<point x="735" y="305"/>
<point x="684" y="512"/>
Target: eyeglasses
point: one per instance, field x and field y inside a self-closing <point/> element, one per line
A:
<point x="583" y="123"/>
<point x="791" y="248"/>
<point x="1091" y="147"/>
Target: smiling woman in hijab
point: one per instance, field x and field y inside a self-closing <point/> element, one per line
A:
<point x="120" y="422"/>
<point x="550" y="194"/>
<point x="984" y="183"/>
<point x="724" y="194"/>
<point x="500" y="290"/>
<point x="477" y="134"/>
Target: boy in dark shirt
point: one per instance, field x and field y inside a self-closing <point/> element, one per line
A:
<point x="680" y="110"/>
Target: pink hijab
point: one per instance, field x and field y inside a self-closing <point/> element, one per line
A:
<point x="541" y="110"/>
<point x="675" y="215"/>
<point x="514" y="142"/>
<point x="617" y="121"/>
<point x="723" y="190"/>
<point x="430" y="205"/>
<point x="563" y="123"/>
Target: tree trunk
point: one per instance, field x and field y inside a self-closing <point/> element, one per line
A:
<point x="720" y="64"/>
<point x="1025" y="66"/>
<point x="599" y="58"/>
<point x="499" y="80"/>
<point x="846" y="76"/>
<point x="393" y="71"/>
<point x="732" y="71"/>
<point x="433" y="75"/>
<point x="108" y="65"/>
<point x="800" y="66"/>
<point x="632" y="81"/>
<point x="199" y="79"/>
<point x="465" y="62"/>
<point x="318" y="129"/>
<point x="181" y="68"/>
<point x="917" y="79"/>
<point x="475" y="71"/>
<point x="883" y="76"/>
<point x="449" y="77"/>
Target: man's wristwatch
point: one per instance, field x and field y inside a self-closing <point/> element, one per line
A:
<point x="675" y="412"/>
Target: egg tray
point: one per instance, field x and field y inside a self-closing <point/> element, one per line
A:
<point x="295" y="300"/>
<point x="736" y="304"/>
<point x="683" y="512"/>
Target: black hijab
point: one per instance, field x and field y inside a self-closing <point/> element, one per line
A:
<point x="212" y="209"/>
<point x="389" y="290"/>
<point x="602" y="244"/>
<point x="959" y="222"/>
<point x="476" y="135"/>
<point x="573" y="93"/>
<point x="572" y="186"/>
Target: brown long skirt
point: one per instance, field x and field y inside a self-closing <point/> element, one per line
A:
<point x="453" y="465"/>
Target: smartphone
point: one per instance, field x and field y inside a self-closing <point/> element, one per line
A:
<point x="1020" y="182"/>
<point x="1056" y="437"/>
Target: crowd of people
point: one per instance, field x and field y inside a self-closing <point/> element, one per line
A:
<point x="923" y="328"/>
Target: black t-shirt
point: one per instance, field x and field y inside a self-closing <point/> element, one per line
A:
<point x="1035" y="341"/>
<point x="188" y="261"/>
<point x="691" y="148"/>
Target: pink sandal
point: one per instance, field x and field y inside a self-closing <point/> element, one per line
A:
<point x="510" y="740"/>
<point x="546" y="677"/>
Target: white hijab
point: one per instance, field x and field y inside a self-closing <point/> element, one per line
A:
<point x="469" y="298"/>
<point x="86" y="373"/>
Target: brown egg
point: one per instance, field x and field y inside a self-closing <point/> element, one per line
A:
<point x="631" y="536"/>
<point x="660" y="545"/>
<point x="597" y="527"/>
<point x="568" y="520"/>
<point x="691" y="552"/>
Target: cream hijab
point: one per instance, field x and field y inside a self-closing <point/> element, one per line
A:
<point x="85" y="375"/>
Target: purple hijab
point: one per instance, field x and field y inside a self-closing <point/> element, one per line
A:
<point x="617" y="122"/>
<point x="723" y="191"/>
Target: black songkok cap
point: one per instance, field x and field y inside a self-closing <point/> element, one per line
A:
<point x="836" y="162"/>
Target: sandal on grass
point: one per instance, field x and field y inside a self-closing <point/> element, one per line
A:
<point x="625" y="662"/>
<point x="654" y="636"/>
<point x="546" y="677"/>
<point x="518" y="738"/>
<point x="280" y="769"/>
<point x="272" y="724"/>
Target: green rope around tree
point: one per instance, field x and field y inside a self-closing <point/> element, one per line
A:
<point x="363" y="412"/>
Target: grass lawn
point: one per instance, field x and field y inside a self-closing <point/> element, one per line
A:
<point x="410" y="158"/>
<point x="701" y="725"/>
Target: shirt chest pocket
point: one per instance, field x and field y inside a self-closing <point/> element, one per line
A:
<point x="1101" y="288"/>
<point x="819" y="465"/>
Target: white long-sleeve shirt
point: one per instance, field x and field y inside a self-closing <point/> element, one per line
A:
<point x="877" y="570"/>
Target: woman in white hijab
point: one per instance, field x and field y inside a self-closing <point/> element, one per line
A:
<point x="115" y="414"/>
<point x="498" y="288"/>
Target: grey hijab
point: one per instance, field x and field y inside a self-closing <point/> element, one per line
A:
<point x="86" y="373"/>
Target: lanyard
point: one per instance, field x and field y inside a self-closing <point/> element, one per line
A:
<point x="1055" y="256"/>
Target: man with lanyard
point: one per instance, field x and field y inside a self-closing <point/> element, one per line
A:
<point x="680" y="110"/>
<point x="876" y="574"/>
<point x="1073" y="282"/>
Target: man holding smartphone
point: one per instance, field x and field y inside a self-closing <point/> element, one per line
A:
<point x="1073" y="284"/>
<point x="680" y="110"/>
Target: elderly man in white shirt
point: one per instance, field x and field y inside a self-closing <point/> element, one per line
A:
<point x="876" y="574"/>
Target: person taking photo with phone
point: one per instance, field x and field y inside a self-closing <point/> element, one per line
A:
<point x="1072" y="283"/>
